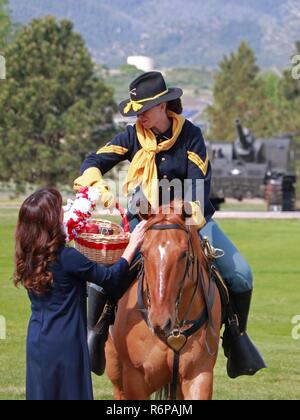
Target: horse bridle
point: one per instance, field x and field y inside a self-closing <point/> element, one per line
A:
<point x="204" y="317"/>
<point x="195" y="325"/>
<point x="190" y="262"/>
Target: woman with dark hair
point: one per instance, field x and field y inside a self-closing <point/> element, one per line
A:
<point x="56" y="278"/>
<point x="164" y="146"/>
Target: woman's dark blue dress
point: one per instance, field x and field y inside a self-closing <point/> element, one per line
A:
<point x="57" y="353"/>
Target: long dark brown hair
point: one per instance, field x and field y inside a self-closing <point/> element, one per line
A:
<point x="39" y="235"/>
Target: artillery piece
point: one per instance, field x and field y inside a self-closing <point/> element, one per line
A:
<point x="254" y="168"/>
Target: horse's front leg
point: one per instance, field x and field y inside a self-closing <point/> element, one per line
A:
<point x="114" y="369"/>
<point x="134" y="385"/>
<point x="198" y="388"/>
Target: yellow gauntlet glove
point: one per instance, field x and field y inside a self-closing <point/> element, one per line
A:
<point x="88" y="179"/>
<point x="106" y="197"/>
<point x="197" y="217"/>
<point x="92" y="177"/>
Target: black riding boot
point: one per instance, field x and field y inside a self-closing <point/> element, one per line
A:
<point x="100" y="317"/>
<point x="101" y="314"/>
<point x="243" y="357"/>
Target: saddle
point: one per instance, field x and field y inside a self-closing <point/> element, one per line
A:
<point x="223" y="291"/>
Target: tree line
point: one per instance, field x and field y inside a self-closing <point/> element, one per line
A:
<point x="266" y="102"/>
<point x="55" y="108"/>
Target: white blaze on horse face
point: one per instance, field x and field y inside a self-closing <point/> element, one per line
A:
<point x="162" y="254"/>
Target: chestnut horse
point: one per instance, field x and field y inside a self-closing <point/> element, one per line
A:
<point x="167" y="326"/>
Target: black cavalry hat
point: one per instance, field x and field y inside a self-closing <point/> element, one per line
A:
<point x="147" y="91"/>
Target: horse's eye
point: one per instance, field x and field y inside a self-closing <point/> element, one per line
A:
<point x="184" y="255"/>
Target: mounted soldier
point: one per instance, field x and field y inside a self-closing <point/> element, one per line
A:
<point x="163" y="145"/>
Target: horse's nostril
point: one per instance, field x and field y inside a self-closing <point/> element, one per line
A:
<point x="168" y="326"/>
<point x="157" y="330"/>
<point x="162" y="331"/>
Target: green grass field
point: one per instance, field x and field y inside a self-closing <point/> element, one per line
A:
<point x="271" y="247"/>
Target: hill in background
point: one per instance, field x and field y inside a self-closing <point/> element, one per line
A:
<point x="180" y="33"/>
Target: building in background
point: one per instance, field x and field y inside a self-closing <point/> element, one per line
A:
<point x="141" y="62"/>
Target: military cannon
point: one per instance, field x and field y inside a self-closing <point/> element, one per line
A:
<point x="254" y="168"/>
<point x="244" y="145"/>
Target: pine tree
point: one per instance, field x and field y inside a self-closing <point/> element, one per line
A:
<point x="240" y="93"/>
<point x="290" y="90"/>
<point x="53" y="109"/>
<point x="5" y="24"/>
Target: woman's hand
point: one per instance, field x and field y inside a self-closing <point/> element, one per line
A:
<point x="137" y="236"/>
<point x="135" y="241"/>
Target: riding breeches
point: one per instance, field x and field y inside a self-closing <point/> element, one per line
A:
<point x="233" y="267"/>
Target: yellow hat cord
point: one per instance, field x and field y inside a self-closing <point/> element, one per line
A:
<point x="137" y="105"/>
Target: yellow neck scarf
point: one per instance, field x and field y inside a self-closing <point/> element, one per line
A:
<point x="142" y="170"/>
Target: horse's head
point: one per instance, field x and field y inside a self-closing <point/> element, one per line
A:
<point x="167" y="253"/>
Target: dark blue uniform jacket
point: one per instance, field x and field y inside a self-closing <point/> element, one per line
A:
<point x="187" y="159"/>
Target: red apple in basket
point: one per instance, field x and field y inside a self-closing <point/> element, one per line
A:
<point x="91" y="228"/>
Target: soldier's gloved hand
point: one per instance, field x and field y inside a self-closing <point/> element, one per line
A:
<point x="106" y="197"/>
<point x="197" y="218"/>
<point x="88" y="179"/>
<point x="92" y="177"/>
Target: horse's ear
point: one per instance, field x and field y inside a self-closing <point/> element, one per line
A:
<point x="187" y="210"/>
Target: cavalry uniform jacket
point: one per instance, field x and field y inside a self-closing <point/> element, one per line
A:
<point x="187" y="159"/>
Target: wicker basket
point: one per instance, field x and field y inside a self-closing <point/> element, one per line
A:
<point x="101" y="248"/>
